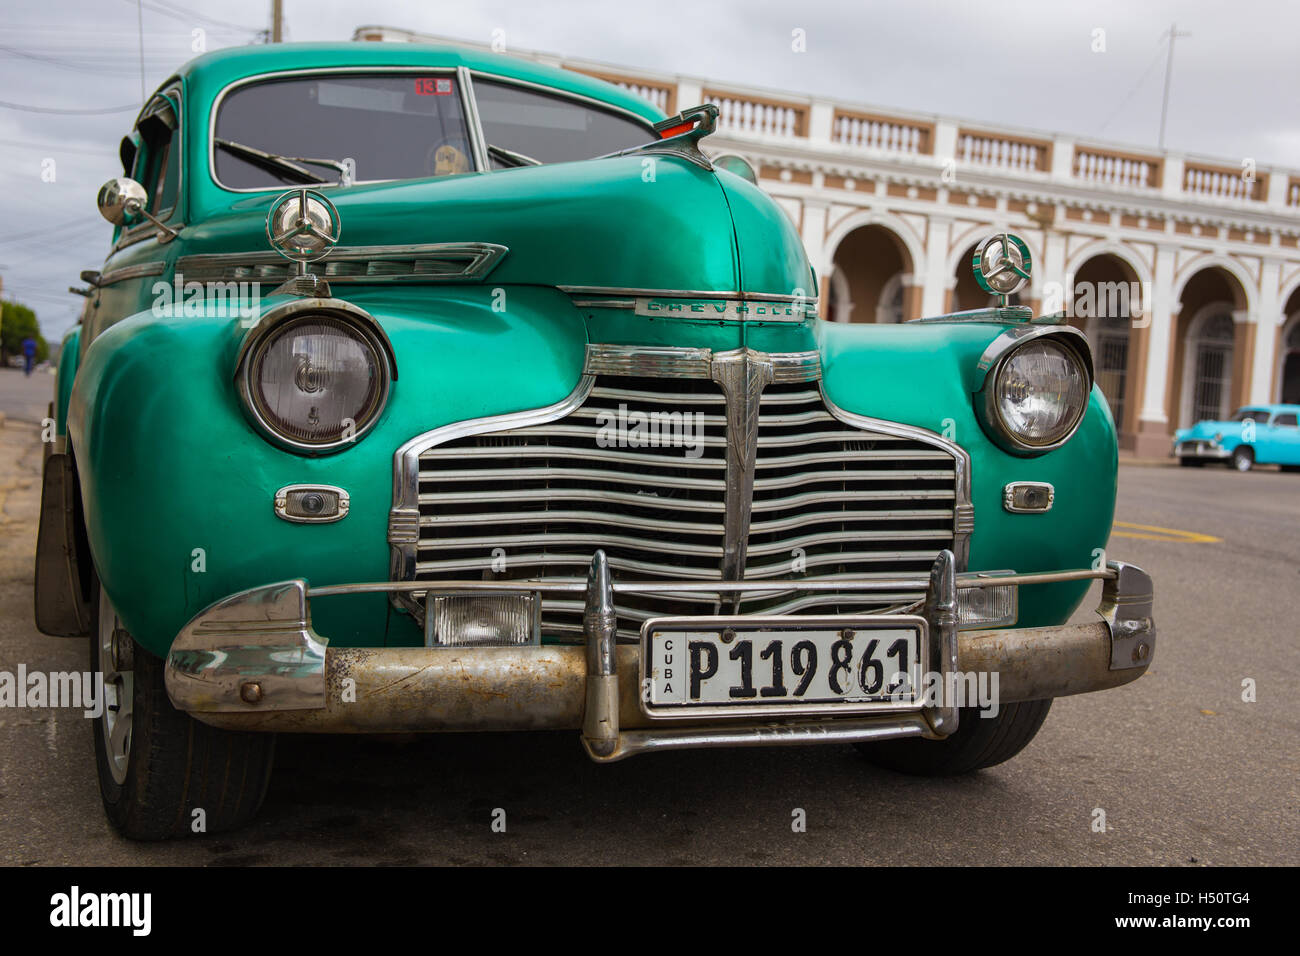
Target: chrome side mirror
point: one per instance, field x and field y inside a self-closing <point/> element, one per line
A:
<point x="121" y="201"/>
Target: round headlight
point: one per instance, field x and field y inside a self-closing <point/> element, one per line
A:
<point x="316" y="382"/>
<point x="1040" y="393"/>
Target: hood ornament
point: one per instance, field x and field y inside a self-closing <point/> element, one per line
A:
<point x="1001" y="265"/>
<point x="680" y="135"/>
<point x="303" y="226"/>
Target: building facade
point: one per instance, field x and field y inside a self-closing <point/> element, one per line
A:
<point x="1183" y="271"/>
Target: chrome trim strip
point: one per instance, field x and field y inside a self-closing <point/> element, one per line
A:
<point x="138" y="271"/>
<point x="912" y="582"/>
<point x="649" y="361"/>
<point x="742" y="374"/>
<point x="480" y="258"/>
<point x="714" y="295"/>
<point x="478" y="144"/>
<point x="964" y="510"/>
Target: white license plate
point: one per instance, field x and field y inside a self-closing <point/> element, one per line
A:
<point x="693" y="666"/>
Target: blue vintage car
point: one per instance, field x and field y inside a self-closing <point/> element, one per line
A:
<point x="1256" y="435"/>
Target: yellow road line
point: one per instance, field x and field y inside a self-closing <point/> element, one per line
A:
<point x="1162" y="534"/>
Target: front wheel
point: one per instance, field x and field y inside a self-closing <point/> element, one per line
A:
<point x="977" y="743"/>
<point x="1242" y="458"/>
<point x="161" y="772"/>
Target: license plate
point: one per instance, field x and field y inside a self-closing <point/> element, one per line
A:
<point x="781" y="665"/>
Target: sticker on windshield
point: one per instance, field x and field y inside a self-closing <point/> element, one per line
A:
<point x="433" y="86"/>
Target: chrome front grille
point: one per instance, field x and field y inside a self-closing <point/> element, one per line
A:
<point x="802" y="490"/>
<point x="834" y="501"/>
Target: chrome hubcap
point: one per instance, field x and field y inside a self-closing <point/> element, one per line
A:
<point x="118" y="693"/>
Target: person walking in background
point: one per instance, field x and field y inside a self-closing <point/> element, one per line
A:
<point x="29" y="354"/>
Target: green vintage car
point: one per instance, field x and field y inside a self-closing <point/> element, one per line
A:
<point x="431" y="390"/>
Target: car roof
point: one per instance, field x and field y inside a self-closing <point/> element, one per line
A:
<point x="1271" y="408"/>
<point x="222" y="67"/>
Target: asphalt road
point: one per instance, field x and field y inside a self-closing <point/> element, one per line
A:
<point x="1186" y="771"/>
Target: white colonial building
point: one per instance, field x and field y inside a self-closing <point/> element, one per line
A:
<point x="1184" y="271"/>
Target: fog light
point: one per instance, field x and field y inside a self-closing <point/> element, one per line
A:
<point x="482" y="619"/>
<point x="987" y="605"/>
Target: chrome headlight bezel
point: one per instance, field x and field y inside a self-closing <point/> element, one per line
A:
<point x="992" y="364"/>
<point x="284" y="317"/>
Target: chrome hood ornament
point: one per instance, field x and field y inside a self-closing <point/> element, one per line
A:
<point x="303" y="226"/>
<point x="1001" y="265"/>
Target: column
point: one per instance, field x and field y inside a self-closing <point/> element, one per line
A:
<point x="1268" y="318"/>
<point x="1153" y="425"/>
<point x="934" y="284"/>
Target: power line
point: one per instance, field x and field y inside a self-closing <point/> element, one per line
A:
<point x="56" y="61"/>
<point x="200" y="16"/>
<point x="36" y="146"/>
<point x="1136" y="86"/>
<point x="24" y="108"/>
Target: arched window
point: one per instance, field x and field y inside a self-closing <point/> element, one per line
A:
<point x="1109" y="339"/>
<point x="1290" y="379"/>
<point x="1208" y="365"/>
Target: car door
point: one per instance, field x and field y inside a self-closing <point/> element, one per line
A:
<point x="1283" y="440"/>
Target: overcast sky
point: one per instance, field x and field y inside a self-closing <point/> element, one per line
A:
<point x="1236" y="80"/>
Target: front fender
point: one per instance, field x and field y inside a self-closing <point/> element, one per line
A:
<point x="178" y="486"/>
<point x="925" y="374"/>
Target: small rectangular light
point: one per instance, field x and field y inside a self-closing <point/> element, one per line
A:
<point x="1028" y="497"/>
<point x="308" y="504"/>
<point x="986" y="605"/>
<point x="482" y="619"/>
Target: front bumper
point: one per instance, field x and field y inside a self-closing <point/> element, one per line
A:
<point x="1201" y="448"/>
<point x="252" y="662"/>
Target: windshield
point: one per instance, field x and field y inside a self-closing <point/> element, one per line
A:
<point x="1252" y="414"/>
<point x="383" y="126"/>
<point x="551" y="129"/>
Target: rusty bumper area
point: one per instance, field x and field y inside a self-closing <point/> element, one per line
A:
<point x="252" y="662"/>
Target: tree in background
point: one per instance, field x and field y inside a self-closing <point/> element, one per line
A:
<point x="17" y="322"/>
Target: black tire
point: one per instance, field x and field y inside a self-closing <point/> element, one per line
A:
<point x="170" y="763"/>
<point x="979" y="742"/>
<point x="1290" y="468"/>
<point x="1191" y="462"/>
<point x="1243" y="459"/>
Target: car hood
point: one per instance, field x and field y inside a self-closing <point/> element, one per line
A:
<point x="1208" y="429"/>
<point x="632" y="222"/>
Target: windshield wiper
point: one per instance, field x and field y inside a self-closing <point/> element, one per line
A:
<point x="287" y="166"/>
<point x="511" y="157"/>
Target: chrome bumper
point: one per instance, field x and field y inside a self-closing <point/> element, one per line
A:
<point x="1201" y="448"/>
<point x="252" y="662"/>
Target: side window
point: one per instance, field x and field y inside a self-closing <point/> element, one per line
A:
<point x="158" y="160"/>
<point x="1286" y="420"/>
<point x="552" y="128"/>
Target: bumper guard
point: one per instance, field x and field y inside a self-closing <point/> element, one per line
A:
<point x="252" y="662"/>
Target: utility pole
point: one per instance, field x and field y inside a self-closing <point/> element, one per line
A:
<point x="277" y="20"/>
<point x="1173" y="35"/>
